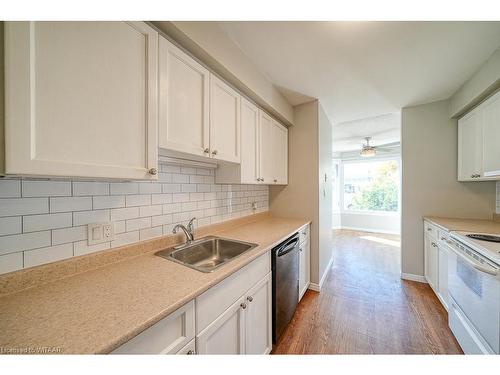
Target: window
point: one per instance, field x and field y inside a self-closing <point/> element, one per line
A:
<point x="371" y="186"/>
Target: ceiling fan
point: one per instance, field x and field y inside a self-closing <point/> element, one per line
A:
<point x="368" y="150"/>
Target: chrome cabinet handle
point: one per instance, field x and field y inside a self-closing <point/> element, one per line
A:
<point x="250" y="298"/>
<point x="243" y="305"/>
<point x="191" y="352"/>
<point x="214" y="152"/>
<point x="429" y="229"/>
<point x="153" y="171"/>
<point x="206" y="151"/>
<point x="434" y="244"/>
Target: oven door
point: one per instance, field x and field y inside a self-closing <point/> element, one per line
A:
<point x="475" y="287"/>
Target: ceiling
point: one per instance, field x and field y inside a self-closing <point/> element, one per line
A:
<point x="384" y="129"/>
<point x="366" y="69"/>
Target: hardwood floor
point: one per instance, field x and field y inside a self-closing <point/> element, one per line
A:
<point x="365" y="308"/>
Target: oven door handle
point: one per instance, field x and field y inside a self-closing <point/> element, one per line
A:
<point x="489" y="271"/>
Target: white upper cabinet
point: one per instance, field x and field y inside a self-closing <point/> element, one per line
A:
<point x="280" y="140"/>
<point x="469" y="146"/>
<point x="81" y="99"/>
<point x="184" y="102"/>
<point x="478" y="142"/>
<point x="249" y="144"/>
<point x="267" y="163"/>
<point x="491" y="136"/>
<point x="273" y="151"/>
<point x="224" y="121"/>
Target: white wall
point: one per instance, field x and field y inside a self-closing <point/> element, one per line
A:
<point x="209" y="43"/>
<point x="429" y="179"/>
<point x="325" y="200"/>
<point x="308" y="159"/>
<point x="498" y="198"/>
<point x="371" y="222"/>
<point x="484" y="82"/>
<point x="42" y="221"/>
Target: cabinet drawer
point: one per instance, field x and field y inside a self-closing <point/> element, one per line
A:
<point x="304" y="233"/>
<point x="219" y="298"/>
<point x="167" y="336"/>
<point x="431" y="230"/>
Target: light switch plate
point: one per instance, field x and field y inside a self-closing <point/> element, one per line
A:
<point x="99" y="233"/>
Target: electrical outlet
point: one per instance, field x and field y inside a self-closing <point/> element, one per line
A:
<point x="254" y="206"/>
<point x="100" y="232"/>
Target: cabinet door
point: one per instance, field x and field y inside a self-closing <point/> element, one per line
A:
<point x="431" y="262"/>
<point x="184" y="102"/>
<point x="258" y="319"/>
<point x="224" y="121"/>
<point x="304" y="268"/>
<point x="81" y="99"/>
<point x="443" y="274"/>
<point x="491" y="136"/>
<point x="249" y="147"/>
<point x="266" y="148"/>
<point x="225" y="335"/>
<point x="280" y="154"/>
<point x="469" y="146"/>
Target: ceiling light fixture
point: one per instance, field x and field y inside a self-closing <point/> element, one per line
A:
<point x="368" y="151"/>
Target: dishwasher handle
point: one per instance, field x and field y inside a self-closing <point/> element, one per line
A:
<point x="287" y="247"/>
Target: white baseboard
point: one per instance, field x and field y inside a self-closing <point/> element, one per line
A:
<point x="317" y="287"/>
<point x="370" y="230"/>
<point x="412" y="277"/>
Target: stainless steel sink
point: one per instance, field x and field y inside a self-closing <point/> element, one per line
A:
<point x="206" y="254"/>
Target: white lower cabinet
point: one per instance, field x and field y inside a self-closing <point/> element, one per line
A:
<point x="229" y="318"/>
<point x="226" y="335"/>
<point x="304" y="260"/>
<point x="436" y="261"/>
<point x="170" y="335"/>
<point x="190" y="348"/>
<point x="245" y="327"/>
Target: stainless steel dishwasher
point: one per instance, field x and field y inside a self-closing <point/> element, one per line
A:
<point x="285" y="267"/>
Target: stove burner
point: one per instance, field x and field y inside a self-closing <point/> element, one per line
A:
<point x="484" y="237"/>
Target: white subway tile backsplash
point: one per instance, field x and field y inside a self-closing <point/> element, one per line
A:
<point x="83" y="188"/>
<point x="180" y="197"/>
<point x="25" y="241"/>
<point x="125" y="238"/>
<point x="51" y="224"/>
<point x="161" y="220"/>
<point x="10" y="188"/>
<point x="48" y="254"/>
<point x="46" y="188"/>
<point x="111" y="201"/>
<point x="34" y="223"/>
<point x="82" y="247"/>
<point x="124" y="213"/>
<point x="66" y="235"/>
<point x="121" y="188"/>
<point x="171" y="188"/>
<point x="10" y="225"/>
<point x="149" y="188"/>
<point x="172" y="208"/>
<point x="11" y="262"/>
<point x="150" y="210"/>
<point x="146" y="234"/>
<point x="138" y="200"/>
<point x="161" y="198"/>
<point x="23" y="206"/>
<point x="89" y="217"/>
<point x="135" y="224"/>
<point x="70" y="204"/>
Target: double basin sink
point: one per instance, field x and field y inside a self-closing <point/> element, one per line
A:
<point x="206" y="254"/>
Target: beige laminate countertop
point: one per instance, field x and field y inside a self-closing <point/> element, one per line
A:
<point x="466" y="225"/>
<point x="98" y="310"/>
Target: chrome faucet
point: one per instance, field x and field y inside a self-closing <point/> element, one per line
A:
<point x="188" y="230"/>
